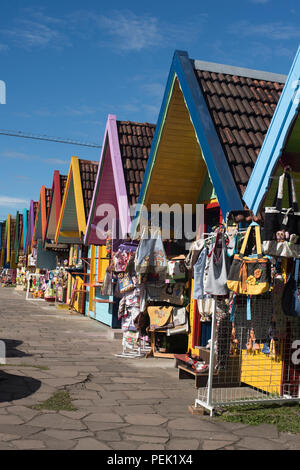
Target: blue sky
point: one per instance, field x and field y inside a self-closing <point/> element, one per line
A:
<point x="67" y="66"/>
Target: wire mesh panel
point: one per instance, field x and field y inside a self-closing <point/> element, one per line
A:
<point x="256" y="354"/>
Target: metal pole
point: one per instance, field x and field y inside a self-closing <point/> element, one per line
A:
<point x="211" y="358"/>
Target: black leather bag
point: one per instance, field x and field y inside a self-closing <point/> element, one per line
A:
<point x="281" y="234"/>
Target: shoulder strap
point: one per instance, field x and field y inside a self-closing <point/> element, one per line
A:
<point x="244" y="245"/>
<point x="291" y="192"/>
<point x="257" y="239"/>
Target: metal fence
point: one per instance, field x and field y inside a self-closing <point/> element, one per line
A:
<point x="255" y="357"/>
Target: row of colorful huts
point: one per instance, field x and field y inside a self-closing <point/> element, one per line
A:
<point x="222" y="135"/>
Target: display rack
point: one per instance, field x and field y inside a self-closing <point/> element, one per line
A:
<point x="31" y="275"/>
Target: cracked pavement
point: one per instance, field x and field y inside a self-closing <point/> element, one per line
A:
<point x="122" y="404"/>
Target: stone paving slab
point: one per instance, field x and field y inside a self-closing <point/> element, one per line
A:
<point x="122" y="404"/>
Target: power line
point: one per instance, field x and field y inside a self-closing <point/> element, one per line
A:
<point x="48" y="138"/>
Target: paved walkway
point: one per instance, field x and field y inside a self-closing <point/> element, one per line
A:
<point x="122" y="404"/>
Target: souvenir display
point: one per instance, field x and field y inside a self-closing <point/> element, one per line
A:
<point x="281" y="234"/>
<point x="250" y="275"/>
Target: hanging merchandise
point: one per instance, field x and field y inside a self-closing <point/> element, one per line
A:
<point x="216" y="281"/>
<point x="129" y="246"/>
<point x="176" y="269"/>
<point x="233" y="244"/>
<point x="130" y="304"/>
<point x="160" y="316"/>
<point x="179" y="321"/>
<point x="204" y="301"/>
<point x="131" y="338"/>
<point x="108" y="245"/>
<point x="126" y="282"/>
<point x="50" y="295"/>
<point x="142" y="322"/>
<point x="107" y="287"/>
<point x="281" y="234"/>
<point x="250" y="275"/>
<point x="120" y="260"/>
<point x="179" y="316"/>
<point x="278" y="289"/>
<point x="200" y="273"/>
<point x="150" y="256"/>
<point x="291" y="293"/>
<point x="164" y="292"/>
<point x="194" y="253"/>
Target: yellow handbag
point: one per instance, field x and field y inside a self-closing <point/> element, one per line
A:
<point x="250" y="275"/>
<point x="159" y="316"/>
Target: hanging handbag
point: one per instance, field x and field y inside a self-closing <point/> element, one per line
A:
<point x="291" y="294"/>
<point x="150" y="256"/>
<point x="250" y="275"/>
<point x="176" y="269"/>
<point x="125" y="283"/>
<point x="281" y="234"/>
<point x="194" y="253"/>
<point x="162" y="292"/>
<point x="199" y="270"/>
<point x="159" y="316"/>
<point x="216" y="281"/>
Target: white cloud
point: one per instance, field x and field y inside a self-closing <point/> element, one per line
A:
<point x="82" y="110"/>
<point x="274" y="31"/>
<point x="23" y="177"/>
<point x="29" y="157"/>
<point x="19" y="155"/>
<point x="36" y="30"/>
<point x="132" y="32"/>
<point x="126" y="31"/>
<point x="12" y="201"/>
<point x="122" y="31"/>
<point x="54" y="161"/>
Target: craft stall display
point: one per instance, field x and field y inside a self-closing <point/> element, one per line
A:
<point x="252" y="278"/>
<point x="36" y="285"/>
<point x="46" y="285"/>
<point x="21" y="283"/>
<point x="147" y="282"/>
<point x="8" y="277"/>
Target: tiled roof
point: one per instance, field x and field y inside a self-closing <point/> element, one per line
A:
<point x="48" y="199"/>
<point x="135" y="141"/>
<point x="63" y="181"/>
<point x="35" y="207"/>
<point x="20" y="225"/>
<point x="241" y="109"/>
<point x="2" y="234"/>
<point x="88" y="173"/>
<point x="12" y="232"/>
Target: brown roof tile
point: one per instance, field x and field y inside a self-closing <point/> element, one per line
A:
<point x="134" y="154"/>
<point x="12" y="232"/>
<point x="2" y="234"/>
<point x="241" y="109"/>
<point x="88" y="173"/>
<point x="48" y="199"/>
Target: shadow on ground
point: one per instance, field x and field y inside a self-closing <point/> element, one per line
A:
<point x="15" y="387"/>
<point x="11" y="346"/>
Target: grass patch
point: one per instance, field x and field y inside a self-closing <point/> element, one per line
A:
<point x="285" y="417"/>
<point x="60" y="401"/>
<point x="27" y="365"/>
